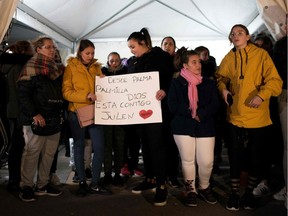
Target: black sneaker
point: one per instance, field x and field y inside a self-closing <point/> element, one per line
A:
<point x="83" y="189"/>
<point x="145" y="185"/>
<point x="27" y="194"/>
<point x="248" y="201"/>
<point x="160" y="198"/>
<point x="207" y="195"/>
<point x="117" y="180"/>
<point x="233" y="202"/>
<point x="98" y="189"/>
<point x="88" y="174"/>
<point x="47" y="190"/>
<point x="191" y="199"/>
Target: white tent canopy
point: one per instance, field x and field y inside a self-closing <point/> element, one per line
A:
<point x="103" y="21"/>
<point x="110" y="19"/>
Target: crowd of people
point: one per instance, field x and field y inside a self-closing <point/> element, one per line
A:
<point x="242" y="104"/>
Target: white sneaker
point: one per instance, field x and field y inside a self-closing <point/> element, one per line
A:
<point x="54" y="179"/>
<point x="261" y="189"/>
<point x="281" y="195"/>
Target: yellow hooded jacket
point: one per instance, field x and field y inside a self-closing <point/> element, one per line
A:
<point x="246" y="73"/>
<point x="79" y="81"/>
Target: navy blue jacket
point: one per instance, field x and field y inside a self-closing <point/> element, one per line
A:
<point x="208" y="104"/>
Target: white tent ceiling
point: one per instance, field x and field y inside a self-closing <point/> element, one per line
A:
<point x="71" y="20"/>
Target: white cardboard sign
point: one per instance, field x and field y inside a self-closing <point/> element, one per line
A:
<point x="127" y="99"/>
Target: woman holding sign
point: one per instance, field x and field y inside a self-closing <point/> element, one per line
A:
<point x="194" y="102"/>
<point x="79" y="90"/>
<point x="146" y="59"/>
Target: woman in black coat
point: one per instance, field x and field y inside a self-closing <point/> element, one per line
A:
<point x="146" y="59"/>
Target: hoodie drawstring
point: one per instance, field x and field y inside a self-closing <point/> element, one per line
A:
<point x="241" y="67"/>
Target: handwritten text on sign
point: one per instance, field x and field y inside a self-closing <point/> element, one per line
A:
<point x="127" y="99"/>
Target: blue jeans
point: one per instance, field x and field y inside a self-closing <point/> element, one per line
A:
<point x="97" y="138"/>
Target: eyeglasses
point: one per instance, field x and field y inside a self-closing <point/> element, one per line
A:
<point x="49" y="47"/>
<point x="239" y="33"/>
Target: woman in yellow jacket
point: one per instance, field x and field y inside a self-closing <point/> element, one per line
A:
<point x="246" y="78"/>
<point x="79" y="90"/>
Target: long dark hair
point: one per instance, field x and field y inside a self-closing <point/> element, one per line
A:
<point x="142" y="37"/>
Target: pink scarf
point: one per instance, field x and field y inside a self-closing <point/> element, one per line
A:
<point x="193" y="80"/>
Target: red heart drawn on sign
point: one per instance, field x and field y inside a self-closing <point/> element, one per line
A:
<point x="145" y="113"/>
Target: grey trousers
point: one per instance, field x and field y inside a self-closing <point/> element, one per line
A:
<point x="37" y="157"/>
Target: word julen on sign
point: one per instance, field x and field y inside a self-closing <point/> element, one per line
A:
<point x="127" y="99"/>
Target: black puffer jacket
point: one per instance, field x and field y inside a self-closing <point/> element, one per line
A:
<point x="155" y="60"/>
<point x="40" y="95"/>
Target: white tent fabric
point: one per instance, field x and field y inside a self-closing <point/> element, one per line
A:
<point x="108" y="23"/>
<point x="114" y="20"/>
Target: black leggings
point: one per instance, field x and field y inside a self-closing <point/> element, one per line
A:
<point x="154" y="151"/>
<point x="247" y="150"/>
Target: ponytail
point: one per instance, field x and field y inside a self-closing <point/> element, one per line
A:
<point x="142" y="37"/>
